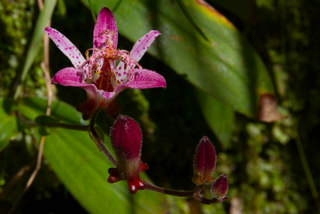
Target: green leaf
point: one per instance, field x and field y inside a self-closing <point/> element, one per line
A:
<point x="8" y="125"/>
<point x="42" y="22"/>
<point x="83" y="169"/>
<point x="199" y="43"/>
<point x="32" y="107"/>
<point x="219" y="117"/>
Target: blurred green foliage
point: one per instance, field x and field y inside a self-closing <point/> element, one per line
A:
<point x="261" y="160"/>
<point x="16" y="20"/>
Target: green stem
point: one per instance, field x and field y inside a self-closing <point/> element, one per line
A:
<point x="31" y="123"/>
<point x="196" y="193"/>
<point x="98" y="141"/>
<point x="181" y="193"/>
<point x="66" y="126"/>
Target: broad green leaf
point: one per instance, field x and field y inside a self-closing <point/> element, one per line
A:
<point x="8" y="124"/>
<point x="83" y="169"/>
<point x="219" y="117"/>
<point x="200" y="44"/>
<point x="42" y="22"/>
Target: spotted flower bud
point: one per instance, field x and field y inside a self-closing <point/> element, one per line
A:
<point x="220" y="188"/>
<point x="126" y="139"/>
<point x="204" y="162"/>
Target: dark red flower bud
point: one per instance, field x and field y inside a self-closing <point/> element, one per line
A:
<point x="126" y="139"/>
<point x="220" y="188"/>
<point x="204" y="162"/>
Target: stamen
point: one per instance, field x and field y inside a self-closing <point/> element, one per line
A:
<point x="117" y="81"/>
<point x="107" y="76"/>
<point x="91" y="49"/>
<point x="87" y="54"/>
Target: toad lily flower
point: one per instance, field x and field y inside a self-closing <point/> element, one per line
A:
<point x="106" y="71"/>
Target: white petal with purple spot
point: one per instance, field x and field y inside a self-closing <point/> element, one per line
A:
<point x="66" y="47"/>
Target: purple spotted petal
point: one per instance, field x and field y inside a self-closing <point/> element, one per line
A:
<point x="105" y="30"/>
<point x="69" y="77"/>
<point x="142" y="45"/>
<point x="123" y="72"/>
<point x="64" y="44"/>
<point x="138" y="50"/>
<point x="74" y="78"/>
<point x="143" y="79"/>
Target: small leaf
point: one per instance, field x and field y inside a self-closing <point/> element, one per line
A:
<point x="43" y="131"/>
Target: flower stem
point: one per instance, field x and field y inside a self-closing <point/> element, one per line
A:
<point x="103" y="148"/>
<point x="66" y="126"/>
<point x="31" y="123"/>
<point x="152" y="187"/>
<point x="98" y="141"/>
<point x="196" y="193"/>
